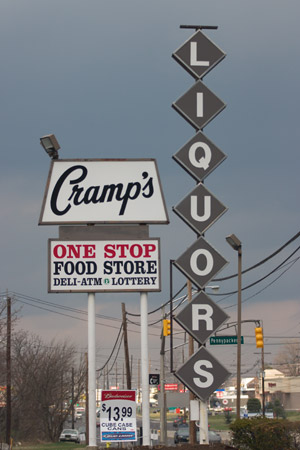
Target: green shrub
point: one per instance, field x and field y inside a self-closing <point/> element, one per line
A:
<point x="263" y="434"/>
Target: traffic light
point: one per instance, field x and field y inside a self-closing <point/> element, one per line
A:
<point x="259" y="337"/>
<point x="166" y="327"/>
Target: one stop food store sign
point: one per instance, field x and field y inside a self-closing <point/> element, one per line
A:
<point x="104" y="265"/>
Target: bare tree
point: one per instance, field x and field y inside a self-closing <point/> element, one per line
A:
<point x="42" y="379"/>
<point x="288" y="359"/>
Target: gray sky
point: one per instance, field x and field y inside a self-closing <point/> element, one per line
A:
<point x="100" y="76"/>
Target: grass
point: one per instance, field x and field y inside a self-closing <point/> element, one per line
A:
<point x="52" y="446"/>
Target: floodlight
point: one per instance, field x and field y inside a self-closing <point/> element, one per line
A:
<point x="50" y="145"/>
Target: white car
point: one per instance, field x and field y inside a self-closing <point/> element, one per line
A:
<point x="69" y="435"/>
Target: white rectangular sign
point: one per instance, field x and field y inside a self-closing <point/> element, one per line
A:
<point x="103" y="191"/>
<point x="104" y="266"/>
<point x="118" y="416"/>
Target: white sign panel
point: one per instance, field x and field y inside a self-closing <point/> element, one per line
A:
<point x="103" y="191"/>
<point x="104" y="266"/>
<point x="118" y="416"/>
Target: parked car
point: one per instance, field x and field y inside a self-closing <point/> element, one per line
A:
<point x="183" y="435"/>
<point x="69" y="435"/>
<point x="179" y="421"/>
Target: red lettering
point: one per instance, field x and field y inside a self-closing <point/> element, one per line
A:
<point x="75" y="250"/>
<point x="139" y="251"/>
<point x="126" y="250"/>
<point x="149" y="248"/>
<point x="89" y="251"/>
<point x="122" y="247"/>
<point x="109" y="251"/>
<point x="59" y="251"/>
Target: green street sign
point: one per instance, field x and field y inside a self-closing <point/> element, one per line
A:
<point x="224" y="340"/>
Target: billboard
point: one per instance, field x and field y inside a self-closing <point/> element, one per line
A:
<point x="118" y="416"/>
<point x="104" y="265"/>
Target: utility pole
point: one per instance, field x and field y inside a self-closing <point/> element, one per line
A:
<point x="72" y="400"/>
<point x="127" y="365"/>
<point x="263" y="381"/>
<point x="163" y="415"/>
<point x="8" y="373"/>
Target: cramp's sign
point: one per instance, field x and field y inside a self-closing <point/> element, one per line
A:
<point x="104" y="266"/>
<point x="103" y="191"/>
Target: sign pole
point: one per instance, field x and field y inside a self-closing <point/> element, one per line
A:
<point x="92" y="369"/>
<point x="145" y="370"/>
<point x="203" y="432"/>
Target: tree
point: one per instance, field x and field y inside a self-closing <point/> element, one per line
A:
<point x="42" y="386"/>
<point x="289" y="359"/>
<point x="253" y="405"/>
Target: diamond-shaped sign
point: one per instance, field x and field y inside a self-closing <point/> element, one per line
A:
<point x="198" y="55"/>
<point x="200" y="209"/>
<point x="199" y="105"/>
<point x="199" y="156"/>
<point x="200" y="262"/>
<point x="201" y="317"/>
<point x="202" y="374"/>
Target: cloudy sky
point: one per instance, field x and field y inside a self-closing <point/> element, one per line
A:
<point x="99" y="74"/>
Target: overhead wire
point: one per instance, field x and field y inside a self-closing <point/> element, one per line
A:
<point x="272" y="282"/>
<point x="115" y="344"/>
<point x="262" y="261"/>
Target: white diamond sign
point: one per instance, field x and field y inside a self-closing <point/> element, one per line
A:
<point x="202" y="374"/>
<point x="200" y="262"/>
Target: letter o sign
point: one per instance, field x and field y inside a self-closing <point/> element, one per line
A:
<point x="194" y="262"/>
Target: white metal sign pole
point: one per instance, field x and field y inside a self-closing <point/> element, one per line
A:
<point x="92" y="368"/>
<point x="145" y="370"/>
<point x="203" y="432"/>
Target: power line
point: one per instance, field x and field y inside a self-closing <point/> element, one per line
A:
<point x="272" y="282"/>
<point x="264" y="260"/>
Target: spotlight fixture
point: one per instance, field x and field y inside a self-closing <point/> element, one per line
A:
<point x="50" y="145"/>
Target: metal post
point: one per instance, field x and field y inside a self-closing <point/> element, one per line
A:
<point x="191" y="352"/>
<point x="203" y="430"/>
<point x="145" y="373"/>
<point x="92" y="369"/>
<point x="239" y="334"/>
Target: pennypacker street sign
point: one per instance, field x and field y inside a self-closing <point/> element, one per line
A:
<point x="103" y="191"/>
<point x="104" y="266"/>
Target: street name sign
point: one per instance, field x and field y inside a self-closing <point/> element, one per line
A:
<point x="199" y="156"/>
<point x="103" y="191"/>
<point x="201" y="317"/>
<point x="224" y="340"/>
<point x="104" y="265"/>
<point x="202" y="373"/>
<point x="199" y="105"/>
<point x="200" y="209"/>
<point x="118" y="416"/>
<point x="200" y="262"/>
<point x="198" y="55"/>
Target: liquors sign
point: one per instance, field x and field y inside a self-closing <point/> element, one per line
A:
<point x="104" y="266"/>
<point x="103" y="191"/>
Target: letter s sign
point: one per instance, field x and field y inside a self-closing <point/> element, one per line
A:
<point x="209" y="379"/>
